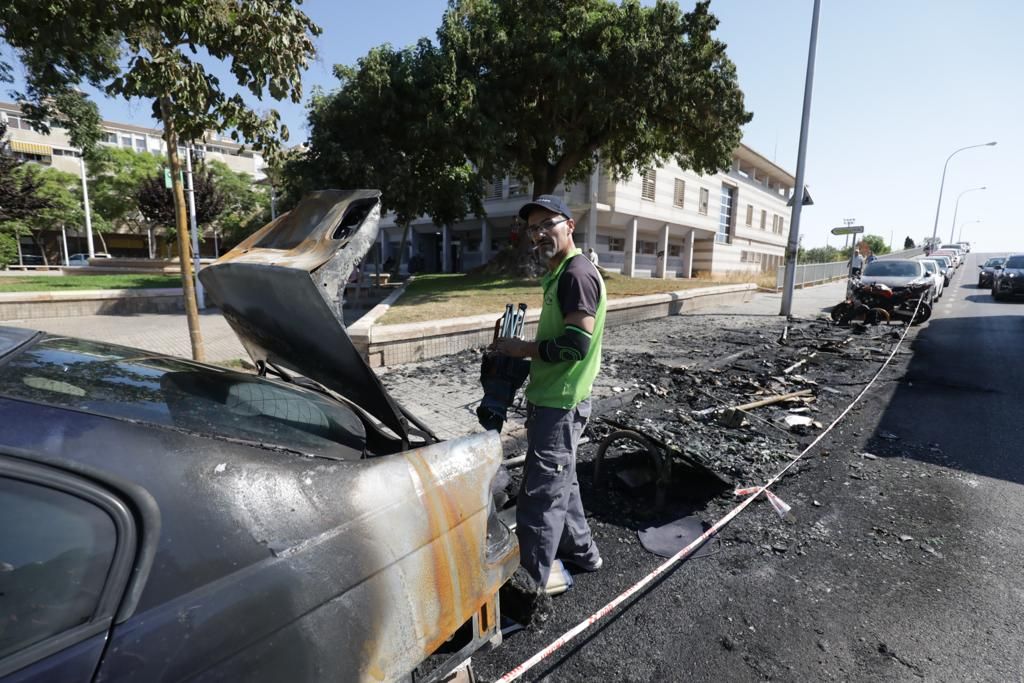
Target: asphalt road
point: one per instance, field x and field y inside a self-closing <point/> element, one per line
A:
<point x="964" y="388"/>
<point x="906" y="557"/>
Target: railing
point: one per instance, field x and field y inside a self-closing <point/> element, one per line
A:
<point x="808" y="274"/>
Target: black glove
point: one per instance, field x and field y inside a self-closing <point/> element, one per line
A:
<point x="501" y="377"/>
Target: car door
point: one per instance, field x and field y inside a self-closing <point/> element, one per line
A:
<point x="67" y="548"/>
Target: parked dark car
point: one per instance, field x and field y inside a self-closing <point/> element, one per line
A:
<point x="166" y="520"/>
<point x="987" y="269"/>
<point x="1008" y="279"/>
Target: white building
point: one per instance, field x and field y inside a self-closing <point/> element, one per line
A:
<point x="663" y="222"/>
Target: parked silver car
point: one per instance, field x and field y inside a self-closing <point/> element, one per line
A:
<point x="937" y="276"/>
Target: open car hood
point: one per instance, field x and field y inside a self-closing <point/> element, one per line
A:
<point x="281" y="291"/>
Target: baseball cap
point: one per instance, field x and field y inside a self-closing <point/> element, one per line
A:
<point x="545" y="201"/>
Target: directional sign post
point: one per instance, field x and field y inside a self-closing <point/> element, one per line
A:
<point x="848" y="230"/>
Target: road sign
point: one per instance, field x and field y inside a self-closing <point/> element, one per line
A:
<point x="848" y="230"/>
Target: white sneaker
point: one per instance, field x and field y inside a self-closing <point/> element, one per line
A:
<point x="559" y="580"/>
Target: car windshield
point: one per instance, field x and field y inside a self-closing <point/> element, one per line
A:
<point x="942" y="260"/>
<point x="129" y="384"/>
<point x="892" y="269"/>
<point x="1014" y="262"/>
<point x="994" y="262"/>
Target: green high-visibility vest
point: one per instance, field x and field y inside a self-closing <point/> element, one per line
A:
<point x="565" y="383"/>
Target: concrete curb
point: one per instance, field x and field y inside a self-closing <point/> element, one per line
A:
<point x="395" y="344"/>
<point x="78" y="302"/>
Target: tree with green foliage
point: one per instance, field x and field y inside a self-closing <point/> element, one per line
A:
<point x="246" y="204"/>
<point x="388" y="127"/>
<point x="156" y="201"/>
<point x="58" y="202"/>
<point x="908" y="243"/>
<point x="147" y="49"/>
<point x="547" y="89"/>
<point x="877" y="244"/>
<point x="825" y="254"/>
<point x="115" y="174"/>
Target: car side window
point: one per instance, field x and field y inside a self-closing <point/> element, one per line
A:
<point x="55" y="552"/>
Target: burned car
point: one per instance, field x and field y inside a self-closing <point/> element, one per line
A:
<point x="169" y="520"/>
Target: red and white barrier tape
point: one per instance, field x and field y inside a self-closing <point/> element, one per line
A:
<point x="751" y="492"/>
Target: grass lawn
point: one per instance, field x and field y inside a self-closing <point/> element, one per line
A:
<point x="60" y="283"/>
<point x="434" y="297"/>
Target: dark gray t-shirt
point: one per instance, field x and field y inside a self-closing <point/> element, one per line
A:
<point x="579" y="287"/>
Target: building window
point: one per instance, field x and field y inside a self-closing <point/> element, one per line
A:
<point x="140" y="145"/>
<point x="782" y="225"/>
<point x="750" y="215"/>
<point x="679" y="195"/>
<point x="702" y="206"/>
<point x="492" y="190"/>
<point x="647" y="186"/>
<point x="616" y="244"/>
<point x="725" y="215"/>
<point x="645" y="247"/>
<point x="126" y="141"/>
<point x="764" y="219"/>
<point x="110" y="137"/>
<point x="675" y="250"/>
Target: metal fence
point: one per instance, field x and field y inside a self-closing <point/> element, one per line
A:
<point x="808" y="274"/>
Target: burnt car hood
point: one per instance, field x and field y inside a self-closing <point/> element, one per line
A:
<point x="281" y="291"/>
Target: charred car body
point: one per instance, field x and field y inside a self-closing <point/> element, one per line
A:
<point x="167" y="520"/>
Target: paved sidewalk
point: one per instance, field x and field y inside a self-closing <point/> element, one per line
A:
<point x="442" y="395"/>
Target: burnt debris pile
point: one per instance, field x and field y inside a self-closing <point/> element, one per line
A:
<point x="729" y="407"/>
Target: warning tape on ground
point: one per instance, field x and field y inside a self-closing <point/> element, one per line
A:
<point x="752" y="494"/>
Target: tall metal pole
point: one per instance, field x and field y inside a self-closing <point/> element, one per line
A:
<point x="64" y="241"/>
<point x="200" y="298"/>
<point x="942" y="184"/>
<point x="798" y="198"/>
<point x="88" y="213"/>
<point x="952" y="228"/>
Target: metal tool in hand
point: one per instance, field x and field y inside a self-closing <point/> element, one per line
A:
<point x="500" y="375"/>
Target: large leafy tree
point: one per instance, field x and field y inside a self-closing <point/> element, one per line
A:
<point x="148" y="49"/>
<point x="20" y="197"/>
<point x="246" y="205"/>
<point x="57" y="202"/>
<point x="156" y="201"/>
<point x="115" y="174"/>
<point x="548" y="88"/>
<point x="389" y="126"/>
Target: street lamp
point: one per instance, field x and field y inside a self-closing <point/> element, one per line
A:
<point x="960" y="237"/>
<point x="953" y="226"/>
<point x="935" y="230"/>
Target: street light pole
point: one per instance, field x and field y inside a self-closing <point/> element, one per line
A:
<point x="960" y="237"/>
<point x="955" y="210"/>
<point x="793" y="245"/>
<point x="938" y="206"/>
<point x="88" y="213"/>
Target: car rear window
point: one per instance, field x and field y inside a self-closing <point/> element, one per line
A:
<point x="130" y="384"/>
<point x="1014" y="262"/>
<point x="930" y="266"/>
<point x="892" y="269"/>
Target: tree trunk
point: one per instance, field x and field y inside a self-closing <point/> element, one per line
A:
<point x="397" y="268"/>
<point x="188" y="285"/>
<point x="39" y="245"/>
<point x="103" y="242"/>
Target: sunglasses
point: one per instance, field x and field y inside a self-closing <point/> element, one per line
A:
<point x="546" y="226"/>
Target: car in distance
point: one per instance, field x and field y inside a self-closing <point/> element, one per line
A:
<point x="933" y="269"/>
<point x="945" y="264"/>
<point x="955" y="254"/>
<point x="1008" y="278"/>
<point x="169" y="520"/>
<point x="83" y="259"/>
<point x="986" y="269"/>
<point x="898" y="274"/>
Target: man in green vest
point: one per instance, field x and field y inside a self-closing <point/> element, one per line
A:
<point x="565" y="358"/>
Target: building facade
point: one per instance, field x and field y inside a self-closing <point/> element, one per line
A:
<point x="55" y="150"/>
<point x="663" y="222"/>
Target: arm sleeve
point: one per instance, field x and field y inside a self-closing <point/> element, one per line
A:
<point x="579" y="288"/>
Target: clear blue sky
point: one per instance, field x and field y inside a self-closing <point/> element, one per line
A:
<point x="898" y="86"/>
